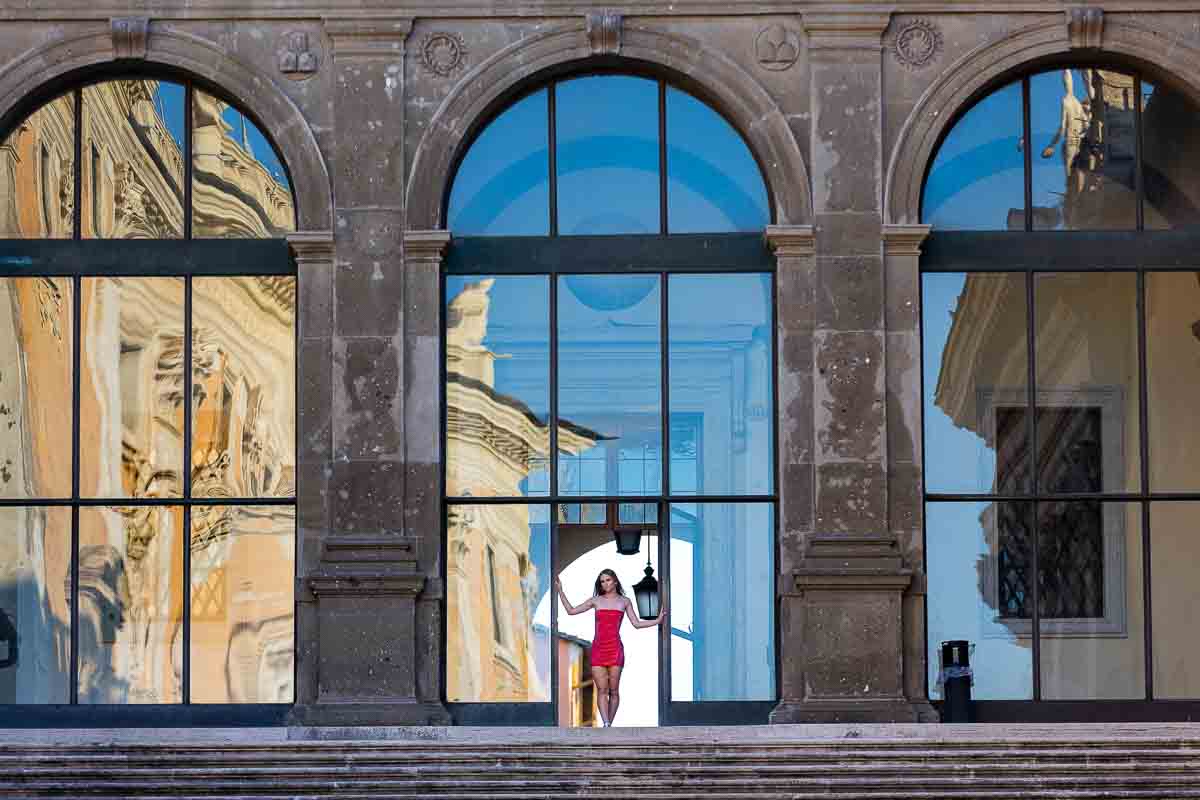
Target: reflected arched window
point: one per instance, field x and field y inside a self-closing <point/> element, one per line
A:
<point x="136" y="180"/>
<point x="607" y="154"/>
<point x="1087" y="126"/>
<point x="147" y="407"/>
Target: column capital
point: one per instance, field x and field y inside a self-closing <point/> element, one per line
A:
<point x="368" y="35"/>
<point x="904" y="240"/>
<point x="311" y="245"/>
<point x="425" y="245"/>
<point x="791" y="241"/>
<point x="846" y="30"/>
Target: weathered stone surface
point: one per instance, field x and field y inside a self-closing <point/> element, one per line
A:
<point x="851" y="498"/>
<point x="846" y="168"/>
<point x="369" y="283"/>
<point x="366" y="647"/>
<point x="849" y="233"/>
<point x="848" y="396"/>
<point x="315" y="413"/>
<point x="369" y="106"/>
<point x="850" y="297"/>
<point x="904" y="442"/>
<point x="795" y="514"/>
<point x="367" y="497"/>
<point x="904" y="497"/>
<point x="368" y="402"/>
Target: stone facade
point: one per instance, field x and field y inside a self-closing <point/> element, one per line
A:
<point x="370" y="103"/>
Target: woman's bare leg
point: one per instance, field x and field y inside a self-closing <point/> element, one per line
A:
<point x="600" y="679"/>
<point x="614" y="691"/>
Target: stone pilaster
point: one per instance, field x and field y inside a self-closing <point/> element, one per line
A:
<point x="363" y="582"/>
<point x="842" y="601"/>
<point x="423" y="252"/>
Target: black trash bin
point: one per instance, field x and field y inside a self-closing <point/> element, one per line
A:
<point x="956" y="678"/>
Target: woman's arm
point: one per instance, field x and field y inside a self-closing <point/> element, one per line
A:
<point x="572" y="610"/>
<point x="637" y="621"/>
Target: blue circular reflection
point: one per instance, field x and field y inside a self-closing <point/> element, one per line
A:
<point x="608" y="293"/>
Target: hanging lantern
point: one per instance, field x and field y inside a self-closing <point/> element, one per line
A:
<point x="646" y="592"/>
<point x="629" y="541"/>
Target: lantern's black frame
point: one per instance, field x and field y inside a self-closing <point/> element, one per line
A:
<point x="661" y="254"/>
<point x="1029" y="252"/>
<point x="185" y="258"/>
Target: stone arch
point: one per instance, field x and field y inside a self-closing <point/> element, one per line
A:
<point x="172" y="48"/>
<point x="938" y="107"/>
<point x="743" y="101"/>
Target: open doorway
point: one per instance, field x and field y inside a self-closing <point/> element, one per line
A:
<point x="586" y="545"/>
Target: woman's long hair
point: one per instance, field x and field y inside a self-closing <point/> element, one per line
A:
<point x="599" y="591"/>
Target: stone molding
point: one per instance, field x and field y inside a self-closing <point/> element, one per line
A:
<point x="962" y="81"/>
<point x="171" y="46"/>
<point x="368" y="36"/>
<point x="604" y="32"/>
<point x="390" y="548"/>
<point x="311" y="246"/>
<point x="1085" y="27"/>
<point x="130" y="36"/>
<point x="845" y="30"/>
<point x="426" y="247"/>
<point x="904" y="240"/>
<point x="365" y="584"/>
<point x="743" y="100"/>
<point x="791" y="241"/>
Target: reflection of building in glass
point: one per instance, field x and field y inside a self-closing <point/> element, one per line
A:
<point x="496" y="554"/>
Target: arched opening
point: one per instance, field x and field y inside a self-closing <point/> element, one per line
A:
<point x="609" y="347"/>
<point x="147" y="555"/>
<point x="1059" y="299"/>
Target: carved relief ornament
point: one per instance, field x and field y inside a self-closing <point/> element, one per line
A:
<point x="1085" y="27"/>
<point x="917" y="44"/>
<point x="443" y="53"/>
<point x="603" y="32"/>
<point x="777" y="47"/>
<point x="299" y="57"/>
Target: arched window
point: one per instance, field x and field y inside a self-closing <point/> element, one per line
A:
<point x="147" y="408"/>
<point x="1061" y="293"/>
<point x="609" y="355"/>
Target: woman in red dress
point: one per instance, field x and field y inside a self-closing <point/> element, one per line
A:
<point x="608" y="654"/>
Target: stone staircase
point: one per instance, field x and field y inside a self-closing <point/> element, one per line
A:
<point x="881" y="762"/>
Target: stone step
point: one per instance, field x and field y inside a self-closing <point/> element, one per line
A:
<point x="796" y="762"/>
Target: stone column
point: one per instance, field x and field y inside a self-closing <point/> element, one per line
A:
<point x="365" y="584"/>
<point x="902" y="275"/>
<point x="843" y="600"/>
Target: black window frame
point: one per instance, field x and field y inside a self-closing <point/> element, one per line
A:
<point x="1030" y="252"/>
<point x="186" y="258"/>
<point x="662" y="254"/>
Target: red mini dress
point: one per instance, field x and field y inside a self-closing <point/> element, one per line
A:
<point x="607" y="650"/>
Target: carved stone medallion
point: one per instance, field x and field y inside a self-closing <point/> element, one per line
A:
<point x="299" y="55"/>
<point x="777" y="47"/>
<point x="443" y="53"/>
<point x="917" y="43"/>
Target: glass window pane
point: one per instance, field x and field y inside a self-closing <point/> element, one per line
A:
<point x="609" y="385"/>
<point x="1084" y="150"/>
<point x="1090" y="596"/>
<point x="1172" y="374"/>
<point x="130" y="604"/>
<point x="1170" y="158"/>
<point x="713" y="182"/>
<point x="502" y="186"/>
<point x="1087" y="381"/>
<point x="35" y="608"/>
<point x="722" y="601"/>
<point x="497" y="575"/>
<point x="131" y="401"/>
<point x="242" y="604"/>
<point x="132" y="167"/>
<point x="240" y="188"/>
<point x="607" y="155"/>
<point x="497" y="386"/>
<point x="244" y="387"/>
<point x="981" y="584"/>
<point x="37" y="174"/>
<point x="977" y="181"/>
<point x="976" y="382"/>
<point x="720" y="351"/>
<point x="36" y="373"/>
<point x="1174" y="554"/>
